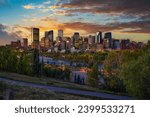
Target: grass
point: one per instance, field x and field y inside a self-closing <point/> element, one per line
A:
<point x="51" y="82"/>
<point x="29" y="93"/>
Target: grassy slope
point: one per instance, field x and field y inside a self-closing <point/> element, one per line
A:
<point x="50" y="82"/>
<point x="29" y="93"/>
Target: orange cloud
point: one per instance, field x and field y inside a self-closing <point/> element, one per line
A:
<point x="29" y="7"/>
<point x="54" y="7"/>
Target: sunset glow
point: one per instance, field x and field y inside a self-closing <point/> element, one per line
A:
<point x="124" y="18"/>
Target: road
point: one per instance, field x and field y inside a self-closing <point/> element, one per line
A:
<point x="69" y="91"/>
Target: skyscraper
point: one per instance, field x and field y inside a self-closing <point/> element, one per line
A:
<point x="116" y="44"/>
<point x="60" y="33"/>
<point x="16" y="44"/>
<point x="76" y="37"/>
<point x="90" y="39"/>
<point x="108" y="36"/>
<point x="125" y="44"/>
<point x="25" y="42"/>
<point x="49" y="35"/>
<point x="43" y="42"/>
<point x="35" y="37"/>
<point x="99" y="38"/>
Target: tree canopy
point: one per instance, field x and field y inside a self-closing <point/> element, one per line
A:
<point x="136" y="76"/>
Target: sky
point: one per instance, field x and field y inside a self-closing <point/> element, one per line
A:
<point x="124" y="18"/>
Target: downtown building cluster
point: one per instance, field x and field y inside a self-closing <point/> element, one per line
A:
<point x="94" y="43"/>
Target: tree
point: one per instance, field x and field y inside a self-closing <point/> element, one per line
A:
<point x="20" y="64"/>
<point x="147" y="46"/>
<point x="8" y="59"/>
<point x="93" y="79"/>
<point x="99" y="57"/>
<point x="112" y="65"/>
<point x="78" y="79"/>
<point x="3" y="86"/>
<point x="42" y="67"/>
<point x="36" y="65"/>
<point x="75" y="78"/>
<point x="136" y="76"/>
<point x="67" y="73"/>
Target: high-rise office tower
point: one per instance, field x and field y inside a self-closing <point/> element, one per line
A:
<point x="35" y="37"/>
<point x="90" y="39"/>
<point x="116" y="44"/>
<point x="125" y="44"/>
<point x="76" y="37"/>
<point x="60" y="33"/>
<point x="108" y="36"/>
<point x="16" y="44"/>
<point x="49" y="35"/>
<point x="98" y="38"/>
<point x="25" y="42"/>
<point x="43" y="42"/>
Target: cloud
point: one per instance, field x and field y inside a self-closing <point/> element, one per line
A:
<point x="48" y="23"/>
<point x="133" y="15"/>
<point x="54" y="7"/>
<point x="124" y="27"/>
<point x="134" y="7"/>
<point x="15" y="32"/>
<point x="29" y="7"/>
<point x="60" y="12"/>
<point x="21" y="31"/>
<point x="44" y="7"/>
<point x="47" y="3"/>
<point x="5" y="36"/>
<point x="44" y="10"/>
<point x="135" y="27"/>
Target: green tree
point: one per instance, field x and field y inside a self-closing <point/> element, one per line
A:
<point x="36" y="64"/>
<point x="93" y="79"/>
<point x="112" y="65"/>
<point x="136" y="76"/>
<point x="3" y="86"/>
<point x="8" y="59"/>
<point x="147" y="46"/>
<point x="99" y="57"/>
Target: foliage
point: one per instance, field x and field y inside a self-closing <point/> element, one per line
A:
<point x="3" y="86"/>
<point x="147" y="47"/>
<point x="122" y="69"/>
<point x="113" y="65"/>
<point x="57" y="72"/>
<point x="15" y="61"/>
<point x="136" y="76"/>
<point x="25" y="64"/>
<point x="93" y="79"/>
<point x="36" y="63"/>
<point x="88" y="58"/>
<point x="8" y="60"/>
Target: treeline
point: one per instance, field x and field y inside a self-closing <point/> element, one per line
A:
<point x="14" y="61"/>
<point x="125" y="71"/>
<point x="28" y="63"/>
<point x="62" y="73"/>
<point x="86" y="57"/>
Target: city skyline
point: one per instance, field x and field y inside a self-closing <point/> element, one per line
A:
<point x="86" y="17"/>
